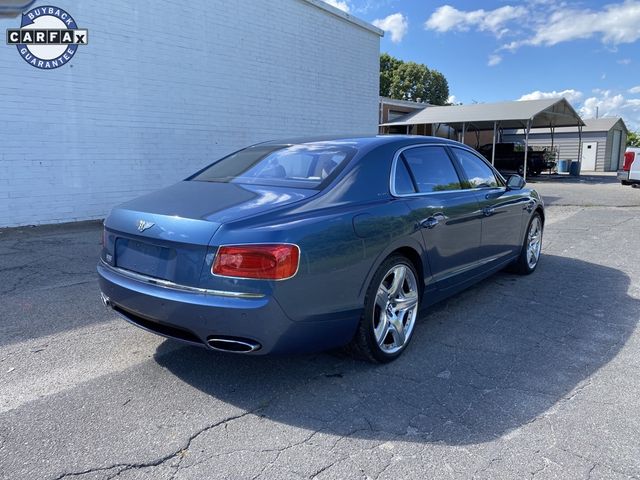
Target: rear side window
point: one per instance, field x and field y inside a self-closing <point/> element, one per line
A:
<point x="430" y="169"/>
<point x="479" y="174"/>
<point x="404" y="182"/>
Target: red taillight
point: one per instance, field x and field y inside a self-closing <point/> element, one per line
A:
<point x="629" y="157"/>
<point x="266" y="262"/>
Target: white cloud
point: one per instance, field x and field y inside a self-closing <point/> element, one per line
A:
<point x="635" y="89"/>
<point x="494" y="60"/>
<point x="605" y="105"/>
<point x="545" y="23"/>
<point x="448" y="18"/>
<point x="610" y="104"/>
<point x="452" y="99"/>
<point x="340" y="4"/>
<point x="614" y="24"/>
<point x="570" y="94"/>
<point x="396" y="24"/>
<point x="602" y="103"/>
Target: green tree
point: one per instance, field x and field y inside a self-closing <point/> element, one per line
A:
<point x="633" y="139"/>
<point x="388" y="65"/>
<point x="411" y="81"/>
<point x="439" y="89"/>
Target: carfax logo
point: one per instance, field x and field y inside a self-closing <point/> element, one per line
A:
<point x="48" y="37"/>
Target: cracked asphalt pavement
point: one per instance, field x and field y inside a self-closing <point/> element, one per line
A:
<point x="518" y="377"/>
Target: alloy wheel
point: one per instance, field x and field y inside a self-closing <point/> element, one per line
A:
<point x="395" y="309"/>
<point x="534" y="242"/>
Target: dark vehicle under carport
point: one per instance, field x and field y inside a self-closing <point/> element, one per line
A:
<point x="509" y="158"/>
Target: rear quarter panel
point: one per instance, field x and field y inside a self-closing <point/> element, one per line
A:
<point x="336" y="262"/>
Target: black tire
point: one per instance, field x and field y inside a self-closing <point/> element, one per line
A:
<point x="521" y="170"/>
<point x="522" y="265"/>
<point x="364" y="344"/>
<point x="625" y="182"/>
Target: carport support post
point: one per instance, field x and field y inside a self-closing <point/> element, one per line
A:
<point x="464" y="128"/>
<point x="493" y="147"/>
<point x="526" y="147"/>
<point x="579" y="148"/>
<point x="553" y="132"/>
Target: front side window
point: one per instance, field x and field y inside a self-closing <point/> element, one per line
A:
<point x="302" y="166"/>
<point x="479" y="174"/>
<point x="430" y="169"/>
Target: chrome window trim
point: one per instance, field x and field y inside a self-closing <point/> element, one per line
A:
<point x="158" y="282"/>
<point x="396" y="156"/>
<point x="392" y="180"/>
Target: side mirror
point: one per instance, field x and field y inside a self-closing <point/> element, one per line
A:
<point x="515" y="182"/>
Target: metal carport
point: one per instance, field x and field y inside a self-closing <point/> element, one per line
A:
<point x="527" y="114"/>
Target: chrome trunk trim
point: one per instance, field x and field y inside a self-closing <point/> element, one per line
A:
<point x="158" y="282"/>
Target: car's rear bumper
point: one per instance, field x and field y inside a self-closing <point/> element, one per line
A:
<point x="623" y="175"/>
<point x="196" y="316"/>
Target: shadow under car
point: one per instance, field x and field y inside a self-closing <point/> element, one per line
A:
<point x="480" y="365"/>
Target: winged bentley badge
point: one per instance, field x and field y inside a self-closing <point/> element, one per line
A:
<point x="143" y="225"/>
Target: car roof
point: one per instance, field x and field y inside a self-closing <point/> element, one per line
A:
<point x="362" y="141"/>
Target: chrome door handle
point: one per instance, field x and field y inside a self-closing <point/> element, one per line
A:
<point x="429" y="222"/>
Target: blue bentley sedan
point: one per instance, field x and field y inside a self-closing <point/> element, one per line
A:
<point x="298" y="246"/>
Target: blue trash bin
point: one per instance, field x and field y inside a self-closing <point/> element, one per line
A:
<point x="563" y="166"/>
<point x="574" y="169"/>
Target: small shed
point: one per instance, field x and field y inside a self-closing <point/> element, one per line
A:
<point x="603" y="142"/>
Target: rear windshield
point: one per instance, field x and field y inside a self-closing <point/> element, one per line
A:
<point x="302" y="166"/>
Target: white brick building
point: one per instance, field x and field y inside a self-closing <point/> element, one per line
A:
<point x="165" y="87"/>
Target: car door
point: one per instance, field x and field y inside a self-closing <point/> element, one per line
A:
<point x="449" y="217"/>
<point x="502" y="209"/>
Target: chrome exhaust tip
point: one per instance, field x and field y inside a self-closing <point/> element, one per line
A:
<point x="105" y="300"/>
<point x="233" y="345"/>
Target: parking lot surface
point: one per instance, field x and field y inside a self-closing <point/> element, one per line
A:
<point x="518" y="377"/>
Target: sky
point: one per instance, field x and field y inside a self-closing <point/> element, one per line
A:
<point x="586" y="51"/>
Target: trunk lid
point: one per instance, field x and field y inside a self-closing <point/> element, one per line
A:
<point x="166" y="234"/>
